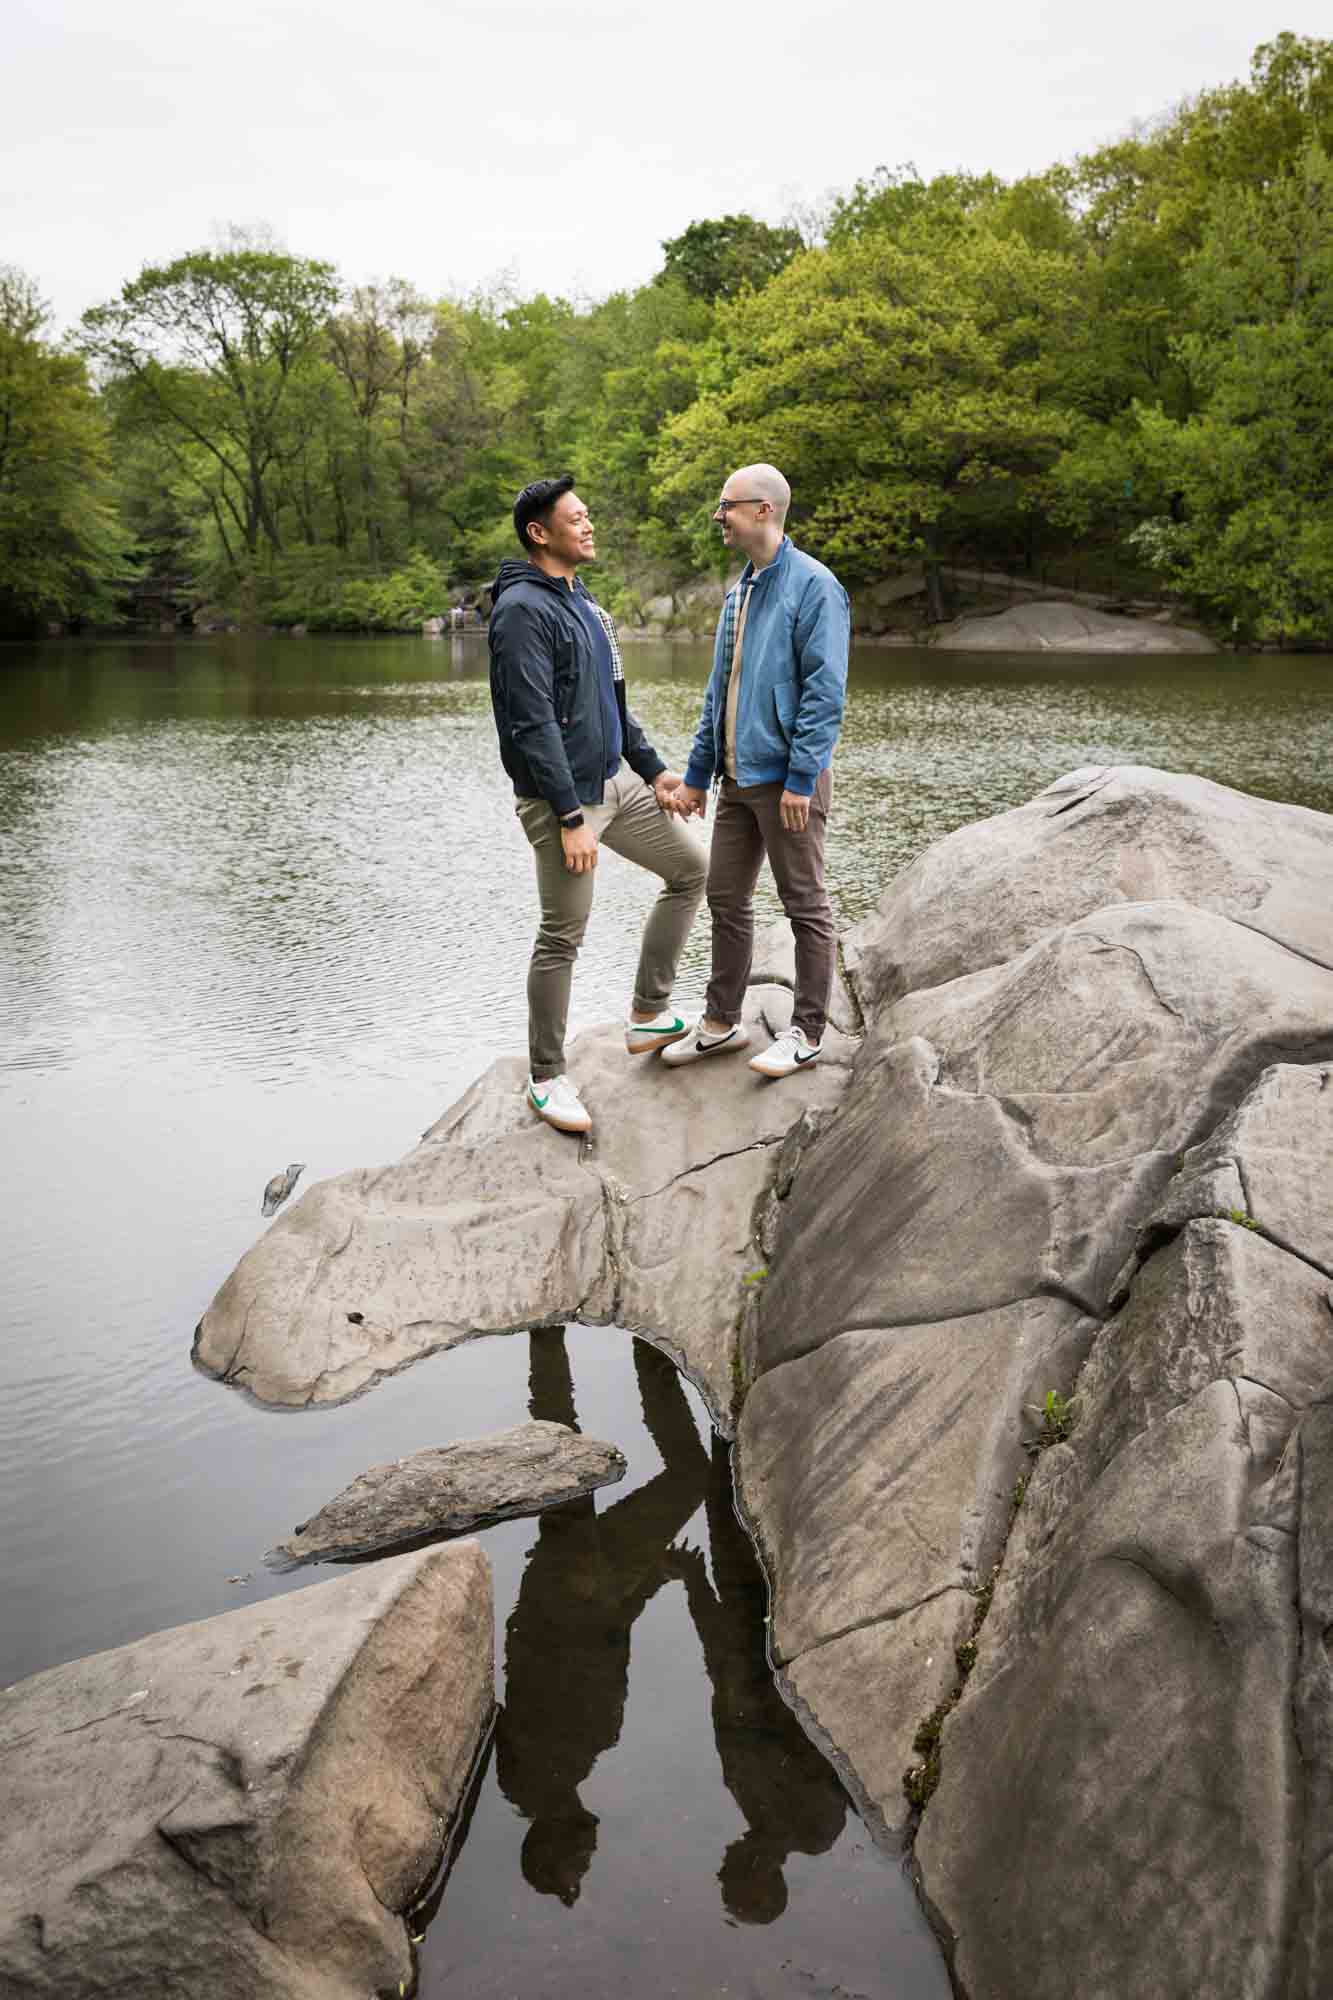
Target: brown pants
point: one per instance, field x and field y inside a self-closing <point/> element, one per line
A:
<point x="747" y="826"/>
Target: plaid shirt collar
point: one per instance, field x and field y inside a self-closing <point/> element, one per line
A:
<point x="735" y="597"/>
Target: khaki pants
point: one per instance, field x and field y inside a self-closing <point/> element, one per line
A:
<point x="630" y="822"/>
<point x="747" y="826"/>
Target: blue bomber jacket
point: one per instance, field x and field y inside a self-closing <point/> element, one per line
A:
<point x="793" y="676"/>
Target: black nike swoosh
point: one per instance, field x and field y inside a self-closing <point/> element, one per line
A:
<point x="805" y="1059"/>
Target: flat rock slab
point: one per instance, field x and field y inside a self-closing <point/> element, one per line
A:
<point x="495" y="1222"/>
<point x="247" y="1805"/>
<point x="1053" y="627"/>
<point x="853" y="1533"/>
<point x="450" y="1489"/>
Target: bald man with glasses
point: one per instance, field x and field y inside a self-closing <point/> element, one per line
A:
<point x="770" y="722"/>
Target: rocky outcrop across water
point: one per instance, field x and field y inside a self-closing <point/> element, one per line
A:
<point x="248" y="1805"/>
<point x="450" y="1489"/>
<point x="495" y="1222"/>
<point x="1054" y="627"/>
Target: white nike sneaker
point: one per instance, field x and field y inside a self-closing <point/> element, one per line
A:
<point x="663" y="1029"/>
<point x="791" y="1051"/>
<point x="558" y="1102"/>
<point x="694" y="1045"/>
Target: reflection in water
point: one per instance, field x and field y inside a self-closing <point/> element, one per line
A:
<point x="791" y="1801"/>
<point x="567" y="1643"/>
<point x="567" y="1655"/>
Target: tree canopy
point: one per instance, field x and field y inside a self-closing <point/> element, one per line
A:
<point x="1122" y="363"/>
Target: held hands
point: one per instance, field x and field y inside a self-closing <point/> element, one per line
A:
<point x="675" y="796"/>
<point x="689" y="800"/>
<point x="794" y="812"/>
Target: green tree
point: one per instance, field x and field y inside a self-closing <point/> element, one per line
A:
<point x="208" y="350"/>
<point x="721" y="258"/>
<point x="1252" y="533"/>
<point x="905" y="384"/>
<point x="61" y="545"/>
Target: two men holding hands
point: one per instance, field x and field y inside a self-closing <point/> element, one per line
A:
<point x="770" y="720"/>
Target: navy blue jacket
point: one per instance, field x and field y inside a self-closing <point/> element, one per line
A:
<point x="547" y="697"/>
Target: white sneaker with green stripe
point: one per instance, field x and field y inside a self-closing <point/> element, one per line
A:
<point x="557" y="1101"/>
<point x="643" y="1036"/>
<point x="696" y="1044"/>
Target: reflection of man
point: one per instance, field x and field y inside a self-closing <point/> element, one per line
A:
<point x="567" y="1643"/>
<point x="585" y="775"/>
<point x="770" y="720"/>
<point x="791" y="1800"/>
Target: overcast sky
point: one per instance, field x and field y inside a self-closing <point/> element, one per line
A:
<point x="447" y="143"/>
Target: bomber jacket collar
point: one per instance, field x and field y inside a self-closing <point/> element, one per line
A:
<point x="756" y="576"/>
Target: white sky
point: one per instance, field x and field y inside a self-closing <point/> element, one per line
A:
<point x="446" y="143"/>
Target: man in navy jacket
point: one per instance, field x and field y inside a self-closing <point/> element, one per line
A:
<point x="585" y="775"/>
<point x="770" y="721"/>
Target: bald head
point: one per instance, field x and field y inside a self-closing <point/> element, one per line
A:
<point x="751" y="512"/>
<point x="766" y="483"/>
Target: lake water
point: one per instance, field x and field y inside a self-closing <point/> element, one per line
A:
<point x="264" y="901"/>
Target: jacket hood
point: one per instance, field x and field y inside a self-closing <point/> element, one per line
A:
<point x="515" y="570"/>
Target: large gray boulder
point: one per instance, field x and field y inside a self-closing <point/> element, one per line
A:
<point x="1106" y="834"/>
<point x="450" y="1488"/>
<point x="1055" y="627"/>
<point x="245" y="1806"/>
<point x="495" y="1222"/>
<point x="947" y="1245"/>
<point x="1135" y="1794"/>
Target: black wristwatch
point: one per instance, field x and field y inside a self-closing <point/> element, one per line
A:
<point x="571" y="820"/>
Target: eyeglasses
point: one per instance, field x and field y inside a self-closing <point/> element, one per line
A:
<point x="751" y="500"/>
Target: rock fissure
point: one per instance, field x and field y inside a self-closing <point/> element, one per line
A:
<point x="702" y="1166"/>
<point x="1112" y="944"/>
<point x="890" y="1615"/>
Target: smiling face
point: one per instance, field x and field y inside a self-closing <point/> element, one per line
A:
<point x="566" y="537"/>
<point x="740" y="513"/>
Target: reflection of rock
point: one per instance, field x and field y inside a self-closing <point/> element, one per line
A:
<point x="791" y="1801"/>
<point x="496" y="1222"/>
<point x="246" y="1805"/>
<point x="1065" y="628"/>
<point x="451" y="1489"/>
<point x="567" y="1644"/>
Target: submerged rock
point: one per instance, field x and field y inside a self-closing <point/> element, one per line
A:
<point x="245" y="1806"/>
<point x="280" y="1186"/>
<point x="452" y="1488"/>
<point x="1065" y="628"/>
